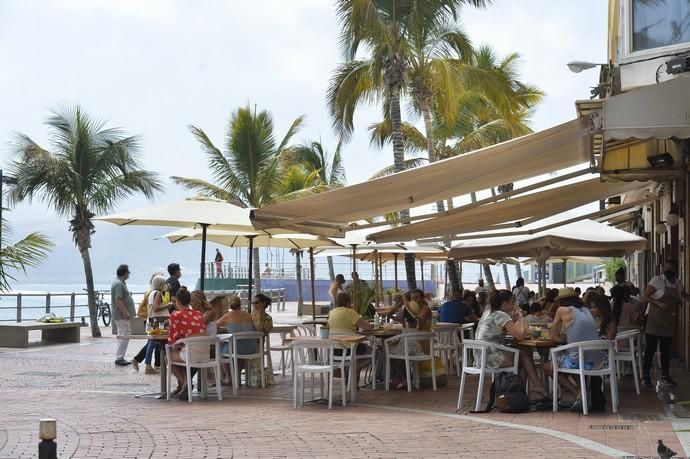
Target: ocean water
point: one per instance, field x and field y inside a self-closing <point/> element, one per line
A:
<point x="33" y="299"/>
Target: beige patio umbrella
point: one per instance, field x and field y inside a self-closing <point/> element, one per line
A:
<point x="240" y="239"/>
<point x="196" y="212"/>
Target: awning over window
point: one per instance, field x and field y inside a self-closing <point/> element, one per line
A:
<point x="660" y="111"/>
<point x="521" y="210"/>
<point x="562" y="146"/>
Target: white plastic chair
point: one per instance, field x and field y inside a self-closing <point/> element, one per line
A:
<point x="316" y="357"/>
<point x="407" y="338"/>
<point x="465" y="331"/>
<point x="201" y="345"/>
<point x="369" y="356"/>
<point x="608" y="369"/>
<point x="233" y="358"/>
<point x="478" y="367"/>
<point x="284" y="350"/>
<point x="447" y="346"/>
<point x="632" y="338"/>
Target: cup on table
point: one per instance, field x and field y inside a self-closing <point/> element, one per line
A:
<point x="323" y="332"/>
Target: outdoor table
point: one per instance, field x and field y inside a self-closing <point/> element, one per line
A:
<point x="542" y="346"/>
<point x="445" y="325"/>
<point x="164" y="364"/>
<point x="352" y="341"/>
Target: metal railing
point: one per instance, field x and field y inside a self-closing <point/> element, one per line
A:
<point x="19" y="307"/>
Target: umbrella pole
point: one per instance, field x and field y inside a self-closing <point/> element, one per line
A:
<point x="395" y="258"/>
<point x="421" y="268"/>
<point x="251" y="272"/>
<point x="313" y="288"/>
<point x="565" y="272"/>
<point x="202" y="273"/>
<point x="376" y="275"/>
<point x="354" y="258"/>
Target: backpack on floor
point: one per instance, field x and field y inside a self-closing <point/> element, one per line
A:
<point x="508" y="394"/>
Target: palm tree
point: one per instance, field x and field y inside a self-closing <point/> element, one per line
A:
<point x="88" y="171"/>
<point x="330" y="170"/>
<point x="251" y="170"/>
<point x="27" y="252"/>
<point x="383" y="28"/>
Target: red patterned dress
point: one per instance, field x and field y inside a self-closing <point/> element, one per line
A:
<point x="185" y="323"/>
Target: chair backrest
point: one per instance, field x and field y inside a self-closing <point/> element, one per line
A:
<point x="314" y="352"/>
<point x="466" y="331"/>
<point x="593" y="345"/>
<point x="248" y="335"/>
<point x="480" y="349"/>
<point x="629" y="337"/>
<point x="197" y="348"/>
<point x="417" y="337"/>
<point x="303" y="330"/>
<point x="447" y="336"/>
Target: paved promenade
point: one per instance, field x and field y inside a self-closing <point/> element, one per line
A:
<point x="98" y="416"/>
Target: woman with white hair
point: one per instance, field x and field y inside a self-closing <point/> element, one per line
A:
<point x="158" y="313"/>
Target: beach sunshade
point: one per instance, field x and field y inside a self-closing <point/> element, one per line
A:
<point x="582" y="238"/>
<point x="328" y="213"/>
<point x="238" y="239"/>
<point x="518" y="211"/>
<point x="190" y="213"/>
<point x="197" y="212"/>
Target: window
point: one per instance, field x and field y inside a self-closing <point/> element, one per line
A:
<point x="658" y="23"/>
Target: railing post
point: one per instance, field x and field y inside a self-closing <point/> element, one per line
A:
<point x="72" y="305"/>
<point x="19" y="307"/>
<point x="48" y="303"/>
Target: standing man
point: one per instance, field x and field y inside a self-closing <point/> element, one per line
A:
<point x="219" y="263"/>
<point x="663" y="294"/>
<point x="480" y="287"/>
<point x="173" y="280"/>
<point x="123" y="311"/>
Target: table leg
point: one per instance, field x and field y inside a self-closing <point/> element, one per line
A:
<point x="354" y="380"/>
<point x="164" y="370"/>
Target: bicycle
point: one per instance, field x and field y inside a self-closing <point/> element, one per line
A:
<point x="103" y="308"/>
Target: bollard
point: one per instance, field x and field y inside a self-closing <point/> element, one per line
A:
<point x="47" y="432"/>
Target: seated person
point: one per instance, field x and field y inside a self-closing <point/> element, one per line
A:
<point x="548" y="302"/>
<point x="455" y="311"/>
<point x="237" y="320"/>
<point x="343" y="320"/>
<point x="470" y="299"/>
<point x="394" y="311"/>
<point x="579" y="325"/>
<point x="184" y="323"/>
<point x="504" y="317"/>
<point x="417" y="313"/>
<point x="262" y="321"/>
<point x="536" y="316"/>
<point x="601" y="312"/>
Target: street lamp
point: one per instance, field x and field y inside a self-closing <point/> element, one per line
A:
<point x="10" y="181"/>
<point x="579" y="66"/>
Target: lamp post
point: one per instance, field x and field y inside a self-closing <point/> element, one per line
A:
<point x="10" y="181"/>
<point x="579" y="66"/>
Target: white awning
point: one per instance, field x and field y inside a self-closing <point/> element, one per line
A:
<point x="659" y="111"/>
<point x="559" y="147"/>
<point x="583" y="238"/>
<point x="516" y="211"/>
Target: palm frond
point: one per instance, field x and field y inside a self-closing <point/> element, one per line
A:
<point x="352" y="84"/>
<point x="209" y="189"/>
<point x="408" y="163"/>
<point x="30" y="251"/>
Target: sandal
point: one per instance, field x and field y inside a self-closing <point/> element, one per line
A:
<point x="183" y="395"/>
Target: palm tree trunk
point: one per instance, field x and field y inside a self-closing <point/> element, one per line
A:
<point x="518" y="269"/>
<point x="489" y="277"/>
<point x="257" y="272"/>
<point x="429" y="128"/>
<point x="458" y="265"/>
<point x="506" y="277"/>
<point x="298" y="275"/>
<point x="453" y="278"/>
<point x="91" y="292"/>
<point x="331" y="270"/>
<point x="399" y="163"/>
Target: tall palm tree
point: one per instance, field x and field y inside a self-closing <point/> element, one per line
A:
<point x="331" y="172"/>
<point x="89" y="169"/>
<point x="250" y="172"/>
<point x="30" y="251"/>
<point x="382" y="28"/>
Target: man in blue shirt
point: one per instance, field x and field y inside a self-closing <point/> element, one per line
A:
<point x="455" y="311"/>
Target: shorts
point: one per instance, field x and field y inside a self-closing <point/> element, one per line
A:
<point x="566" y="362"/>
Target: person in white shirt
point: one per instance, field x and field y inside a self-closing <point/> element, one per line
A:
<point x="480" y="287"/>
<point x="663" y="294"/>
<point x="521" y="294"/>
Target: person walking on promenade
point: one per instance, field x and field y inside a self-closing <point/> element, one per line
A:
<point x="219" y="263"/>
<point x="174" y="279"/>
<point x="123" y="311"/>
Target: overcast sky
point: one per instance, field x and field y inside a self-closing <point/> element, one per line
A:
<point x="153" y="67"/>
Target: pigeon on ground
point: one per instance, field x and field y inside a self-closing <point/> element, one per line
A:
<point x="664" y="451"/>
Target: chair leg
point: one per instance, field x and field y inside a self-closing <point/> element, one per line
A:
<point x="614" y="395"/>
<point x="168" y="376"/>
<point x="462" y="391"/>
<point x="219" y="387"/>
<point x="388" y="373"/>
<point x="583" y="392"/>
<point x="330" y="389"/>
<point x="433" y="374"/>
<point x="407" y="373"/>
<point x="304" y="376"/>
<point x="189" y="383"/>
<point x="263" y="379"/>
<point x="635" y="375"/>
<point x="203" y="382"/>
<point x="343" y="391"/>
<point x="373" y="367"/>
<point x="480" y="390"/>
<point x="294" y="390"/>
<point x="555" y="388"/>
<point x="282" y="361"/>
